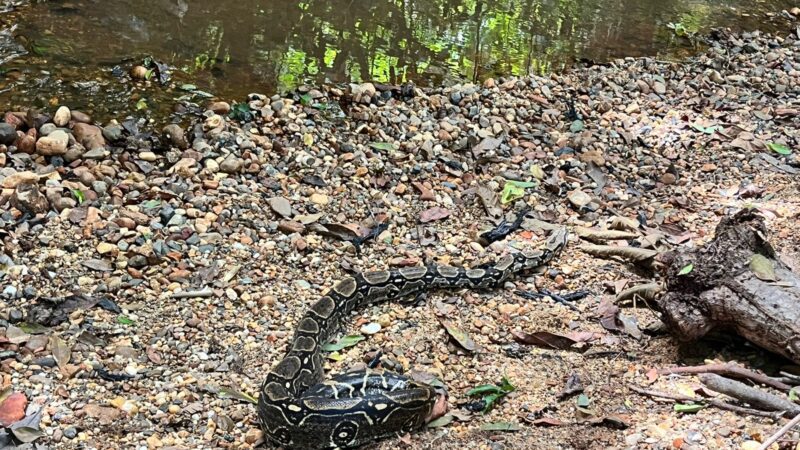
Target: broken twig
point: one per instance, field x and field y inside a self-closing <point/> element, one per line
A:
<point x="206" y="292"/>
<point x="750" y="395"/>
<point x="647" y="291"/>
<point x="710" y="401"/>
<point x="730" y="370"/>
<point x="779" y="434"/>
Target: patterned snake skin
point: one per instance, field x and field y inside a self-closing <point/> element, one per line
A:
<point x="298" y="410"/>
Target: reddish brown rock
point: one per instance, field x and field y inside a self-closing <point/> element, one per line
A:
<point x="89" y="136"/>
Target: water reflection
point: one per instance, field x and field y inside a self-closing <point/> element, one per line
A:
<point x="232" y="48"/>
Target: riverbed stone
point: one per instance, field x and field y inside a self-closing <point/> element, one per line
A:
<point x="8" y="134"/>
<point x="53" y="144"/>
<point x="62" y="116"/>
<point x="90" y="136"/>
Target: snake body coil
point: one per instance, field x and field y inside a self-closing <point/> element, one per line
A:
<point x="298" y="410"/>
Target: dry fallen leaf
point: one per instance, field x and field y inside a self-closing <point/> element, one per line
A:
<point x="435" y="213"/>
<point x="61" y="351"/>
<point x="460" y="336"/>
<point x="544" y="339"/>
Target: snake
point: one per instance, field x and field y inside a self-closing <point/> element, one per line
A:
<point x="299" y="409"/>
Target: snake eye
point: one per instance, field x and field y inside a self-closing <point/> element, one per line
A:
<point x="344" y="434"/>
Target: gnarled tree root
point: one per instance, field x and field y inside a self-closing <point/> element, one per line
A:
<point x="722" y="292"/>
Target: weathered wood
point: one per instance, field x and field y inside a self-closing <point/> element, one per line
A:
<point x="722" y="292"/>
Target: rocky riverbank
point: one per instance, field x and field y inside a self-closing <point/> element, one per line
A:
<point x="187" y="255"/>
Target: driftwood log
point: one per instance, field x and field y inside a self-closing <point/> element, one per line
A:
<point x="725" y="290"/>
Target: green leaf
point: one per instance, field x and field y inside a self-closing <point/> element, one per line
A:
<point x="306" y="100"/>
<point x="238" y="395"/>
<point x="79" y="196"/>
<point x="485" y="389"/>
<point x="501" y="426"/>
<point x="537" y="172"/>
<point x="514" y="190"/>
<point x="385" y="146"/>
<point x="706" y="130"/>
<point x="507" y="386"/>
<point x="576" y="126"/>
<point x="345" y="342"/>
<point x="688" y="409"/>
<point x="335" y="356"/>
<point x="763" y="268"/>
<point x="241" y="112"/>
<point x="492" y="393"/>
<point x="794" y="394"/>
<point x="141" y="104"/>
<point x="124" y="320"/>
<point x="583" y="401"/>
<point x="149" y="74"/>
<point x="686" y="270"/>
<point x="441" y="421"/>
<point x="779" y="148"/>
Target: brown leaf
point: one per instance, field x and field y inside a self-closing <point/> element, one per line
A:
<point x="630" y="325"/>
<point x="460" y="336"/>
<point x="62" y="352"/>
<point x="485" y="145"/>
<point x="544" y="339"/>
<point x="435" y="213"/>
<point x="490" y="201"/>
<point x="12" y="409"/>
<point x="343" y="232"/>
<point x="153" y="355"/>
<point x="608" y="313"/>
<point x="104" y="414"/>
<point x="633" y="254"/>
<point x="98" y="265"/>
<point x="572" y="387"/>
<point x="603" y="235"/>
<point x="611" y="421"/>
<point x="548" y="422"/>
<point x="584" y="336"/>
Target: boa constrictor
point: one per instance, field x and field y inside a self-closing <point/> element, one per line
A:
<point x="298" y="410"/>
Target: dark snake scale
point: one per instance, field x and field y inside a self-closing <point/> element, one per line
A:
<point x="298" y="409"/>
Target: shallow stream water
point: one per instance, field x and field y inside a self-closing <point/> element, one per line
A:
<point x="73" y="52"/>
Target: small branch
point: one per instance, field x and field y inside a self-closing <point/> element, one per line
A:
<point x="750" y="395"/>
<point x="785" y="429"/>
<point x="206" y="292"/>
<point x="646" y="291"/>
<point x="710" y="401"/>
<point x="730" y="370"/>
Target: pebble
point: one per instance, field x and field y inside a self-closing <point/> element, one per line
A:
<point x="62" y="117"/>
<point x="319" y="199"/>
<point x="281" y="206"/>
<point x="371" y="328"/>
<point x="53" y="144"/>
<point x="231" y="164"/>
<point x="579" y="198"/>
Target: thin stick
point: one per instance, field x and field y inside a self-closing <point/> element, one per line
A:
<point x="774" y="438"/>
<point x="713" y="402"/>
<point x="193" y="294"/>
<point x="748" y="394"/>
<point x="730" y="370"/>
